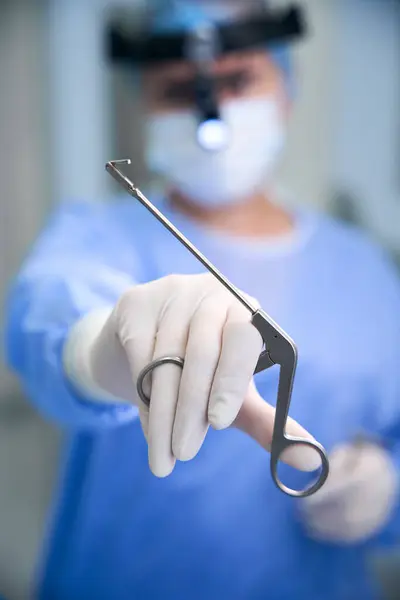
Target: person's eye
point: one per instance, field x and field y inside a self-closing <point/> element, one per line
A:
<point x="178" y="92"/>
<point x="236" y="84"/>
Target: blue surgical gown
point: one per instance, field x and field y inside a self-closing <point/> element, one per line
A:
<point x="217" y="527"/>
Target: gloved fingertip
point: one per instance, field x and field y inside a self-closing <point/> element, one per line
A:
<point x="302" y="458"/>
<point x="180" y="450"/>
<point x="185" y="454"/>
<point x="161" y="461"/>
<point x="162" y="470"/>
<point x="187" y="449"/>
<point x="222" y="412"/>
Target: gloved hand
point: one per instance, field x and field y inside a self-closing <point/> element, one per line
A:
<point x="189" y="316"/>
<point x="358" y="497"/>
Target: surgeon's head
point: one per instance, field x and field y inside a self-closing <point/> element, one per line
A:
<point x="215" y="109"/>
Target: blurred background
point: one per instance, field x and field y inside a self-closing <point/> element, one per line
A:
<point x="63" y="114"/>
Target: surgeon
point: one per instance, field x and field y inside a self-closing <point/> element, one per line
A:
<point x="177" y="502"/>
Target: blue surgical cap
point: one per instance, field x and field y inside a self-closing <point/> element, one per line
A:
<point x="167" y="16"/>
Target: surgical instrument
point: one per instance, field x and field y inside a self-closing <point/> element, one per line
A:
<point x="279" y="349"/>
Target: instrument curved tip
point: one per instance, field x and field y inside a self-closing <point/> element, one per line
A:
<point x="114" y="163"/>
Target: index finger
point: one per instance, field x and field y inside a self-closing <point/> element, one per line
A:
<point x="256" y="418"/>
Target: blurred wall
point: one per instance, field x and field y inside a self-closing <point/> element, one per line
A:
<point x="79" y="96"/>
<point x="305" y="166"/>
<point x="365" y="143"/>
<point x="24" y="195"/>
<point x="28" y="447"/>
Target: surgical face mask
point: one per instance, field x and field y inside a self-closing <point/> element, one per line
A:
<point x="256" y="138"/>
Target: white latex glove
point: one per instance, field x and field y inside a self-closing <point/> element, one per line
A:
<point x="189" y="316"/>
<point x="358" y="497"/>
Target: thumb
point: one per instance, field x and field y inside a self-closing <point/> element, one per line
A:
<point x="256" y="418"/>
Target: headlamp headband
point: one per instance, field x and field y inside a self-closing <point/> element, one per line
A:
<point x="276" y="26"/>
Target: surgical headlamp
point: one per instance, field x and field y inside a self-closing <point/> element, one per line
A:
<point x="201" y="46"/>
